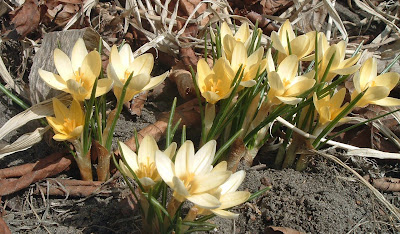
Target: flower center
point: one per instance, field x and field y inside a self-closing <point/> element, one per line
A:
<point x="69" y="124"/>
<point x="79" y="76"/>
<point x="187" y="180"/>
<point x="147" y="169"/>
<point x="213" y="86"/>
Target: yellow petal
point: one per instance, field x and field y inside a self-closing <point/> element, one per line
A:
<point x="179" y="187"/>
<point x="126" y="55"/>
<point x="91" y="67"/>
<point x="225" y="214"/>
<point x="76" y="132"/>
<point x="52" y="80"/>
<point x="225" y="30"/>
<point x="300" y="87"/>
<point x="155" y="81"/>
<point x="277" y="44"/>
<point x="228" y="43"/>
<point x="165" y="167"/>
<point x="285" y="31"/>
<point x="147" y="150"/>
<point x="275" y="81"/>
<point x="270" y="62"/>
<point x="347" y="70"/>
<point x="239" y="56"/>
<point x="300" y="45"/>
<point x="103" y="86"/>
<point x="147" y="182"/>
<point x="130" y="157"/>
<point x="255" y="58"/>
<point x="200" y="163"/>
<point x="356" y="82"/>
<point x="139" y="81"/>
<point x="125" y="169"/>
<point x="203" y="71"/>
<point x="222" y="166"/>
<point x="77" y="91"/>
<point x="61" y="137"/>
<point x="387" y="101"/>
<point x="205" y="201"/>
<point x="60" y="110"/>
<point x="233" y="183"/>
<point x="116" y="63"/>
<point x="57" y="125"/>
<point x="185" y="152"/>
<point x="205" y="182"/>
<point x="289" y="100"/>
<point x="142" y="64"/>
<point x="389" y="80"/>
<point x="76" y="112"/>
<point x="79" y="52"/>
<point x="337" y="99"/>
<point x="233" y="199"/>
<point x="63" y="65"/>
<point x="368" y="72"/>
<point x="288" y="67"/>
<point x="112" y="74"/>
<point x="243" y="32"/>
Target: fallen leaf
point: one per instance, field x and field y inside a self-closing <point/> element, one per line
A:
<point x="25" y="19"/>
<point x="3" y="227"/>
<point x="68" y="187"/>
<point x="183" y="80"/>
<point x="137" y="103"/>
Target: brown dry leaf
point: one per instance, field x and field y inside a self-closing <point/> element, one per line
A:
<point x="273" y="6"/>
<point x="281" y="230"/>
<point x="385" y="184"/>
<point x="3" y="227"/>
<point x="63" y="12"/>
<point x="138" y="103"/>
<point x="183" y="80"/>
<point x="238" y="151"/>
<point x="25" y="19"/>
<point x="265" y="24"/>
<point x="189" y="5"/>
<point x="44" y="168"/>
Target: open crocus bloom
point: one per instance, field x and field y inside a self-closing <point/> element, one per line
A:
<point x="329" y="108"/>
<point x="285" y="86"/>
<point x="378" y="87"/>
<point x="78" y="74"/>
<point x="143" y="164"/>
<point x="214" y="84"/>
<point x="67" y="123"/>
<point x="339" y="66"/>
<point x="192" y="177"/>
<point x="227" y="194"/>
<point x="301" y="46"/>
<point x="122" y="64"/>
<point x="229" y="40"/>
<point x="250" y="65"/>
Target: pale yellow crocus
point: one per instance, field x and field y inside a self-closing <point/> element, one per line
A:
<point x="340" y="65"/>
<point x="227" y="194"/>
<point x="214" y="84"/>
<point x="67" y="123"/>
<point x="143" y="164"/>
<point x="379" y="87"/>
<point x="78" y="74"/>
<point x="122" y="65"/>
<point x="329" y="108"/>
<point x="284" y="83"/>
<point x="250" y="64"/>
<point x="191" y="176"/>
<point x="229" y="39"/>
<point x="300" y="46"/>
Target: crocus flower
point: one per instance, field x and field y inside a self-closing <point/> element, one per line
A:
<point x="67" y="123"/>
<point x="378" y="87"/>
<point x="300" y="46"/>
<point x="227" y="194"/>
<point x="214" y="84"/>
<point x="340" y="65"/>
<point x="229" y="40"/>
<point x="191" y="177"/>
<point x="78" y="74"/>
<point x="250" y="65"/>
<point x="143" y="164"/>
<point x="123" y="64"/>
<point x="328" y="107"/>
<point x="285" y="86"/>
